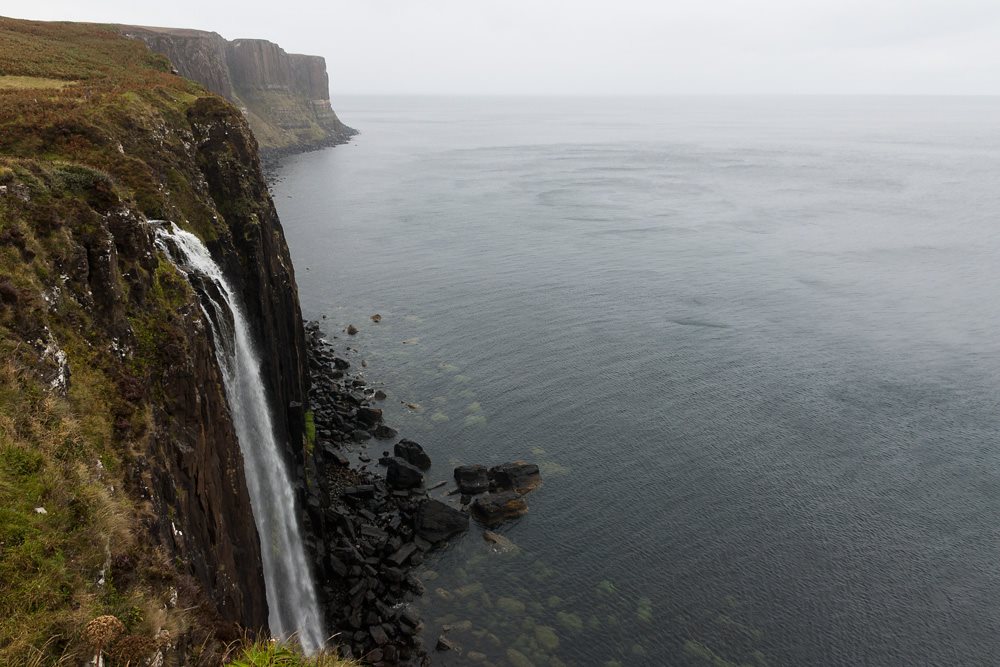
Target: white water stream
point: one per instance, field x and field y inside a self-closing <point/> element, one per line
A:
<point x="291" y="595"/>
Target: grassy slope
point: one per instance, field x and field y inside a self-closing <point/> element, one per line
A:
<point x="70" y="157"/>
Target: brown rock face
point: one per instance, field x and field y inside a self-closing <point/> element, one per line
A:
<point x="197" y="54"/>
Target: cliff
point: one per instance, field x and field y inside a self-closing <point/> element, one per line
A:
<point x="285" y="97"/>
<point x="122" y="488"/>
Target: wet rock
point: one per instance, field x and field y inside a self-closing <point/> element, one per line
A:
<point x="376" y="318"/>
<point x="369" y="416"/>
<point x="351" y="330"/>
<point x="379" y="395"/>
<point x="518" y="659"/>
<point x="445" y="644"/>
<point x="494" y="508"/>
<point x="383" y="432"/>
<point x="500" y="543"/>
<point x="511" y="606"/>
<point x="437" y="522"/>
<point x="412" y="453"/>
<point x="517" y="476"/>
<point x="341" y="364"/>
<point x="401" y="475"/>
<point x="472" y="479"/>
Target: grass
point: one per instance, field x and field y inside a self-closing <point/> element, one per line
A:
<point x="32" y="82"/>
<point x="78" y="162"/>
<point x="265" y="653"/>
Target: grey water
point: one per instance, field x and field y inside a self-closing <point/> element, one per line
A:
<point x="751" y="342"/>
<point x="293" y="610"/>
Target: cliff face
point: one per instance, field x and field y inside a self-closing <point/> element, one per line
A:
<point x="285" y="97"/>
<point x="113" y="415"/>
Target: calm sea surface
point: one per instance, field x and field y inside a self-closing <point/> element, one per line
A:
<point x="753" y="343"/>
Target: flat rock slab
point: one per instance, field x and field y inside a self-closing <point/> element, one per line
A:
<point x="519" y="476"/>
<point x="472" y="479"/>
<point x="437" y="522"/>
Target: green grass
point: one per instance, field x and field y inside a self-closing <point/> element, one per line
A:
<point x="32" y="82"/>
<point x="275" y="654"/>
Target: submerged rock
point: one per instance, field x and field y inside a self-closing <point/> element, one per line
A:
<point x="500" y="543"/>
<point x="472" y="479"/>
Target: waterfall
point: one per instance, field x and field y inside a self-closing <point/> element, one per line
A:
<point x="291" y="595"/>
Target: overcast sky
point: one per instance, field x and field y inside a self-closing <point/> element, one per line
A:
<point x="611" y="47"/>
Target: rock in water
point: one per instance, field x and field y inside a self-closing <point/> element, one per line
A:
<point x="369" y="416"/>
<point x="412" y="453"/>
<point x="376" y="318"/>
<point x="351" y="330"/>
<point x="437" y="522"/>
<point x="518" y="476"/>
<point x="494" y="508"/>
<point x="383" y="432"/>
<point x="472" y="479"/>
<point x="501" y="543"/>
<point x="402" y="475"/>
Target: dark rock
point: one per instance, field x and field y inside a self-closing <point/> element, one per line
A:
<point x="334" y="455"/>
<point x="361" y="436"/>
<point x="351" y="330"/>
<point x="445" y="644"/>
<point x="379" y="635"/>
<point x="412" y="453"/>
<point x="380" y="395"/>
<point x="517" y="476"/>
<point x="341" y="364"/>
<point x="403" y="554"/>
<point x="402" y="475"/>
<point x="369" y="416"/>
<point x="472" y="479"/>
<point x="383" y="432"/>
<point x="437" y="522"/>
<point x="494" y="508"/>
<point x="362" y="491"/>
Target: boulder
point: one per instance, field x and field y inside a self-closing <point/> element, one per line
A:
<point x="402" y="475"/>
<point x="493" y="508"/>
<point x="437" y="522"/>
<point x="517" y="476"/>
<point x="412" y="453"/>
<point x="472" y="479"/>
<point x="383" y="432"/>
<point x="369" y="416"/>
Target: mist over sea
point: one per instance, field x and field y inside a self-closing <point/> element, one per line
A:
<point x="753" y="343"/>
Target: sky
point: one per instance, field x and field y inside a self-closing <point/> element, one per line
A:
<point x="589" y="47"/>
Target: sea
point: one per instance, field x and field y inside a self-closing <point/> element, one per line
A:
<point x="753" y="344"/>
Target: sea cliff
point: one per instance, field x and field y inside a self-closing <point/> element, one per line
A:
<point x="123" y="490"/>
<point x="285" y="96"/>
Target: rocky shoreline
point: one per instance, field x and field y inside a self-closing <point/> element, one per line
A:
<point x="373" y="522"/>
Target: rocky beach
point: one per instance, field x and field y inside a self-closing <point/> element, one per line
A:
<point x="375" y="516"/>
